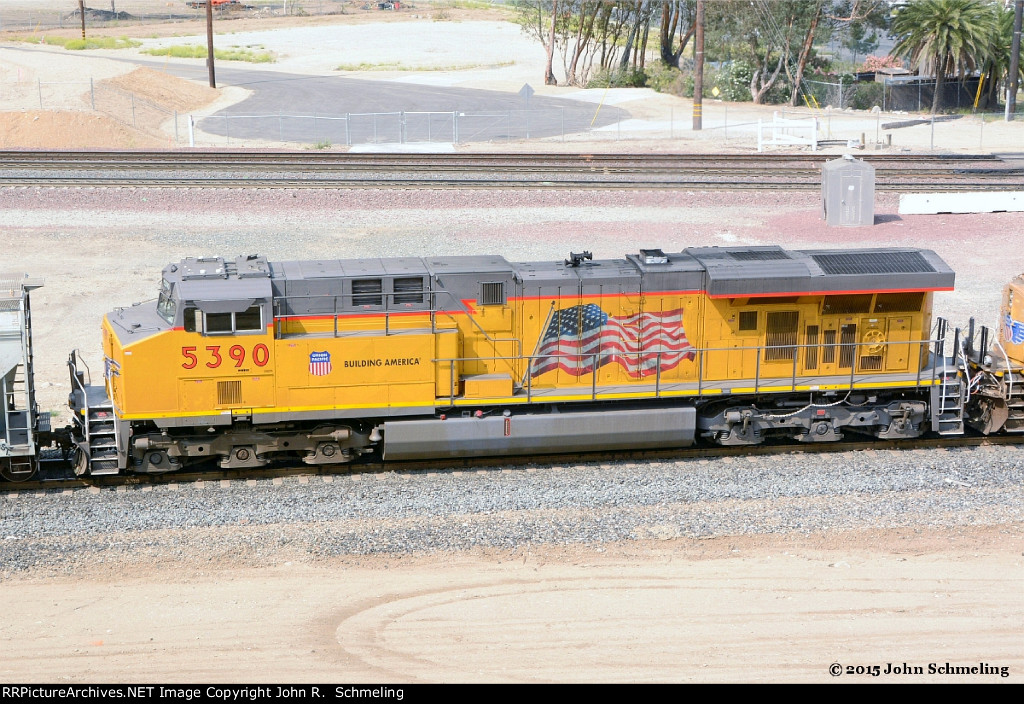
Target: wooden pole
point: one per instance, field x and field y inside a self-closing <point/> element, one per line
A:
<point x="1011" y="99"/>
<point x="81" y="13"/>
<point x="698" y="67"/>
<point x="209" y="42"/>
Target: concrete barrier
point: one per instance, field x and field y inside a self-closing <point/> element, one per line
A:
<point x="934" y="203"/>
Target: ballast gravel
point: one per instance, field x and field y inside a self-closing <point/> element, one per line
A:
<point x="310" y="518"/>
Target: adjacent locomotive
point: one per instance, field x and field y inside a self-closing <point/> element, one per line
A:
<point x="246" y="361"/>
<point x="995" y="368"/>
<point x="23" y="429"/>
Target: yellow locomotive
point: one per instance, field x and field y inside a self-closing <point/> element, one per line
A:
<point x="995" y="367"/>
<point x="246" y="361"/>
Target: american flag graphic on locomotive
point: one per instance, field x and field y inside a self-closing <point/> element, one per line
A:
<point x="584" y="338"/>
<point x="1013" y="330"/>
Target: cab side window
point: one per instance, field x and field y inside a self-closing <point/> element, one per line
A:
<point x="218" y="323"/>
<point x="247" y="321"/>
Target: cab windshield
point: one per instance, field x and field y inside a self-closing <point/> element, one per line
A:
<point x="166" y="306"/>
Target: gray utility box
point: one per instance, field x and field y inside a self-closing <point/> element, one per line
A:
<point x="848" y="192"/>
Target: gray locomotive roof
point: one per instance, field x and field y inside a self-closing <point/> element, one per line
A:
<point x="721" y="271"/>
<point x="348" y="268"/>
<point x="753" y="271"/>
<point x="218" y="279"/>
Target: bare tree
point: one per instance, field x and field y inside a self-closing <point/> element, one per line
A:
<point x="677" y="16"/>
<point x="549" y="73"/>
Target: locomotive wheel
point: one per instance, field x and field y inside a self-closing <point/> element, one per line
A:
<point x="81" y="459"/>
<point x="994" y="415"/>
<point x="873" y="341"/>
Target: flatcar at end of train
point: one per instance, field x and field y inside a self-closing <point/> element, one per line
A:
<point x="246" y="361"/>
<point x="23" y="429"/>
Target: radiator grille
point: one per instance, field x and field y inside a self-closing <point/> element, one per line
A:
<point x="873" y="263"/>
<point x="781" y="336"/>
<point x="229" y="393"/>
<point x="847" y="345"/>
<point x="759" y="255"/>
<point x="492" y="294"/>
<point x="811" y="356"/>
<point x="871" y="363"/>
<point x="828" y="353"/>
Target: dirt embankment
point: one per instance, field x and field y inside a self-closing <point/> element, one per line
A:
<point x="161" y="93"/>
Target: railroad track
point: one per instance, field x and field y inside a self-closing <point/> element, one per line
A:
<point x="291" y="170"/>
<point x="359" y="160"/>
<point x="56" y="475"/>
<point x="410" y="184"/>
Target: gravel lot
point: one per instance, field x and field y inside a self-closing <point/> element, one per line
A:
<point x="268" y="522"/>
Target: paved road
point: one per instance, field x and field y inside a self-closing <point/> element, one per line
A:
<point x="310" y="109"/>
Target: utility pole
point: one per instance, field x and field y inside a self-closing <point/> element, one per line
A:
<point x="209" y="42"/>
<point x="1011" y="99"/>
<point x="81" y="13"/>
<point x="698" y="67"/>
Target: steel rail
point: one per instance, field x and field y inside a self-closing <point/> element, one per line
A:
<point x="489" y="171"/>
<point x="293" y="183"/>
<point x="343" y="158"/>
<point x="58" y="478"/>
<point x="305" y="170"/>
<point x="461" y="163"/>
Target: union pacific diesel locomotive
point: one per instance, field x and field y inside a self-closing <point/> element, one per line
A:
<point x="246" y="361"/>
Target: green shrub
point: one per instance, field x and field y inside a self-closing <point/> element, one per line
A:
<point x="670" y="80"/>
<point x="733" y="80"/>
<point x="179" y="51"/>
<point x="197" y="51"/>
<point x="864" y="96"/>
<point x="630" y="78"/>
<point x="79" y="44"/>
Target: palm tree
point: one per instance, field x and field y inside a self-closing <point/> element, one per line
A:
<point x="997" y="59"/>
<point x="944" y="36"/>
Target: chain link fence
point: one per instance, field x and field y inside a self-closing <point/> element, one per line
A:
<point x="120" y="105"/>
<point x="892" y="95"/>
<point x="398" y="127"/>
<point x="29" y="16"/>
<point x="728" y="124"/>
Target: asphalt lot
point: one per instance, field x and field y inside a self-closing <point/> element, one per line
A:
<point x="291" y="107"/>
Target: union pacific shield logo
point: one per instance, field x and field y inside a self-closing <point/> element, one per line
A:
<point x="319" y="363"/>
<point x="1013" y="330"/>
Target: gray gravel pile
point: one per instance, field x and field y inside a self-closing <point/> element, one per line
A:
<point x="310" y="518"/>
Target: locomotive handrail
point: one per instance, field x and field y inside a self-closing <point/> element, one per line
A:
<point x="73" y="362"/>
<point x="700" y="356"/>
<point x="387" y="310"/>
<point x="81" y="418"/>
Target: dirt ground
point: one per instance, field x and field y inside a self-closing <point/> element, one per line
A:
<point x="745" y="609"/>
